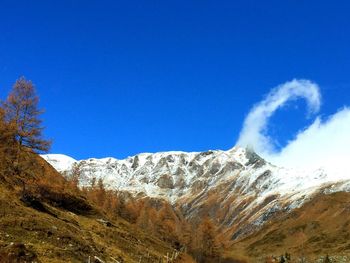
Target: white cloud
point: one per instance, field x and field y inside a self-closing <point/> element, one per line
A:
<point x="324" y="144"/>
<point x="254" y="132"/>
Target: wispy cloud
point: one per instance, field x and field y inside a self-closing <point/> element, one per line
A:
<point x="254" y="133"/>
<point x="325" y="143"/>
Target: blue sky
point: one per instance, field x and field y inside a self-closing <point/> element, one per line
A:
<point x="121" y="77"/>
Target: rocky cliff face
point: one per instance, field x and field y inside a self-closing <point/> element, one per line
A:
<point x="237" y="188"/>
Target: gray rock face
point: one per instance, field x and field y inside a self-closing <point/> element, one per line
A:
<point x="135" y="163"/>
<point x="165" y="181"/>
<point x="254" y="159"/>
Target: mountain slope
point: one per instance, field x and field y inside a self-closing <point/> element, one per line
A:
<point x="46" y="222"/>
<point x="237" y="188"/>
<point x="260" y="209"/>
<point x="318" y="228"/>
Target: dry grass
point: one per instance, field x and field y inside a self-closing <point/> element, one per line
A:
<point x="50" y="223"/>
<point x="318" y="228"/>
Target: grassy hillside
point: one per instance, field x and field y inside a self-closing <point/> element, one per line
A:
<point x="42" y="220"/>
<point x="319" y="228"/>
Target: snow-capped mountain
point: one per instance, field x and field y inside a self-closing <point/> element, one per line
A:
<point x="237" y="187"/>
